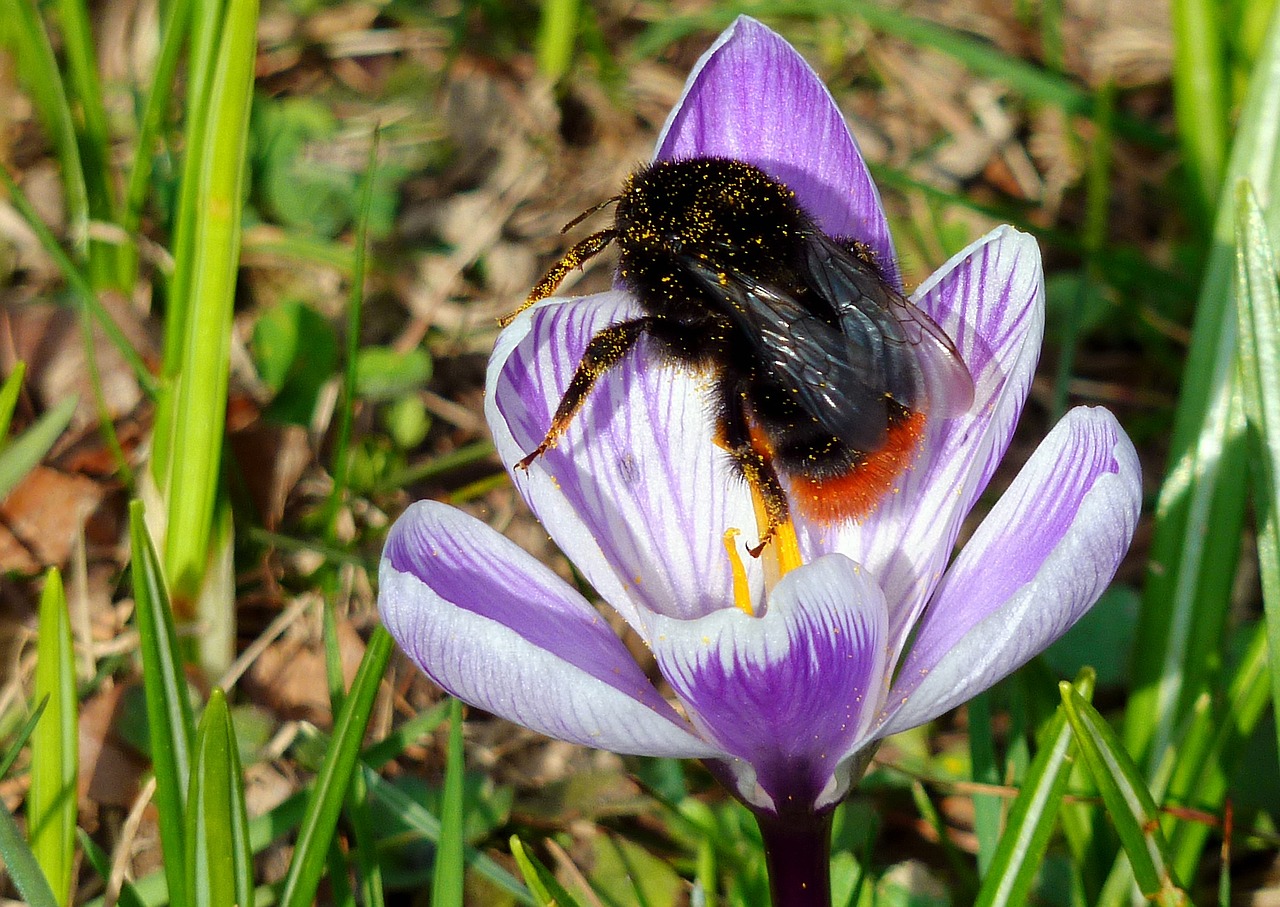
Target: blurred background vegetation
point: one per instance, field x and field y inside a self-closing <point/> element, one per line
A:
<point x="285" y="234"/>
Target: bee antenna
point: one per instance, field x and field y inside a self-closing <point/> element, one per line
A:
<point x="590" y="211"/>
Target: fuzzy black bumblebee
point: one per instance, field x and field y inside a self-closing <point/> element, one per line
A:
<point x="823" y="373"/>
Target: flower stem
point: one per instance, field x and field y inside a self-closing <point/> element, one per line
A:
<point x="798" y="852"/>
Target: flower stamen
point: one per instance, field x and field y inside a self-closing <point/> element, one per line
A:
<point x="781" y="552"/>
<point x="741" y="591"/>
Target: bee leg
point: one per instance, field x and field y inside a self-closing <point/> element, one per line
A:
<point x="605" y="350"/>
<point x="754" y="460"/>
<point x="576" y="257"/>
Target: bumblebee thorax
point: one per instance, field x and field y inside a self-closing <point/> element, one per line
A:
<point x="725" y="213"/>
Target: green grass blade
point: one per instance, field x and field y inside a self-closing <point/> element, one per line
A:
<point x="22" y="454"/>
<point x="368" y="866"/>
<point x="1200" y="509"/>
<point x="1201" y="99"/>
<point x="155" y="113"/>
<point x="984" y="769"/>
<point x="81" y="289"/>
<point x="1251" y="29"/>
<point x="9" y="402"/>
<point x="1258" y="300"/>
<point x="94" y="139"/>
<point x="21" y="737"/>
<point x="446" y="880"/>
<point x="284" y="818"/>
<point x="206" y="32"/>
<point x="1051" y="42"/>
<point x="169" y="719"/>
<point x="1033" y="815"/>
<point x="1212" y="750"/>
<point x="541" y="881"/>
<point x="1128" y="801"/>
<point x="101" y="864"/>
<point x="21" y="864"/>
<point x="219" y="865"/>
<point x="557" y="33"/>
<point x="1093" y="239"/>
<point x="326" y="798"/>
<point x="355" y="309"/>
<point x="51" y="802"/>
<point x="417" y="817"/>
<point x="206" y="35"/>
<point x="201" y="388"/>
<point x="38" y="70"/>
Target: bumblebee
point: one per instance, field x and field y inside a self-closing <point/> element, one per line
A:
<point x="823" y="373"/>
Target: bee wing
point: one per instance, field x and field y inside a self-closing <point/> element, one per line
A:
<point x="928" y="375"/>
<point x="839" y="383"/>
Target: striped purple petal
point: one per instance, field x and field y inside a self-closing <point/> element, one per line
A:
<point x="499" y="630"/>
<point x="1040" y="559"/>
<point x="990" y="299"/>
<point x="751" y="97"/>
<point x="636" y="493"/>
<point x="787" y="693"/>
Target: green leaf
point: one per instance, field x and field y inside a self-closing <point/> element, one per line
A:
<point x="9" y="401"/>
<point x="541" y="880"/>
<point x="341" y="468"/>
<point x="325" y="801"/>
<point x="82" y="291"/>
<point x="418" y="818"/>
<point x="101" y="864"/>
<point x="447" y="880"/>
<point x="219" y="863"/>
<point x="296" y="351"/>
<point x="1020" y="853"/>
<point x="557" y="32"/>
<point x="1128" y="801"/>
<point x="1219" y="734"/>
<point x="21" y="737"/>
<point x="384" y="374"/>
<point x="191" y="469"/>
<point x="22" y="454"/>
<point x="407" y="421"/>
<point x="169" y="720"/>
<point x="51" y="801"/>
<point x="1201" y="98"/>
<point x="92" y="134"/>
<point x="21" y="864"/>
<point x="302" y="184"/>
<point x="176" y="20"/>
<point x="1258" y="298"/>
<point x="1200" y="509"/>
<point x="984" y="769"/>
<point x="1102" y="639"/>
<point x="39" y="73"/>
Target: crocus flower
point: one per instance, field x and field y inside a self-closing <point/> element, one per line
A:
<point x="783" y="681"/>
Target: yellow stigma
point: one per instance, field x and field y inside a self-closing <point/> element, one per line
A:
<point x="779" y="553"/>
<point x="782" y="553"/>
<point x="741" y="592"/>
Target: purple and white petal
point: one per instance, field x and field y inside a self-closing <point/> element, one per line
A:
<point x="1040" y="559"/>
<point x="635" y="492"/>
<point x="990" y="300"/>
<point x="497" y="629"/>
<point x="787" y="693"/>
<point x="751" y="97"/>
